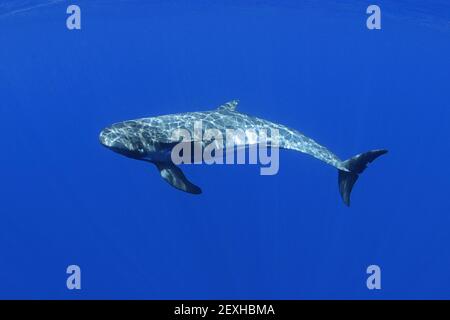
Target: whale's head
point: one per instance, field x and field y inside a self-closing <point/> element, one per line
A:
<point x="124" y="139"/>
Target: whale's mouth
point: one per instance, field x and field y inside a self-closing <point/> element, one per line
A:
<point x="113" y="141"/>
<point x="107" y="138"/>
<point x="104" y="141"/>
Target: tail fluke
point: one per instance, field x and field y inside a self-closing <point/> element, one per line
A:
<point x="355" y="166"/>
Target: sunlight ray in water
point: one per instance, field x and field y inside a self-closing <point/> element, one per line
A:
<point x="9" y="8"/>
<point x="434" y="14"/>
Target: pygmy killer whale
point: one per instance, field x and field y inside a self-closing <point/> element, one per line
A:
<point x="151" y="140"/>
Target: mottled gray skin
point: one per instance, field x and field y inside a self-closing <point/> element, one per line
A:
<point x="151" y="139"/>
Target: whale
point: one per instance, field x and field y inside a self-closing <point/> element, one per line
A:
<point x="151" y="139"/>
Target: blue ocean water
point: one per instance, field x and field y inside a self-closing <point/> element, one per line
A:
<point x="67" y="200"/>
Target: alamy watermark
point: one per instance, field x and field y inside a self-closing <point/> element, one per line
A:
<point x="374" y="20"/>
<point x="212" y="146"/>
<point x="73" y="281"/>
<point x="374" y="280"/>
<point x="73" y="21"/>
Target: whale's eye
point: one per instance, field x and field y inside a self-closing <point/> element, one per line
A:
<point x="139" y="147"/>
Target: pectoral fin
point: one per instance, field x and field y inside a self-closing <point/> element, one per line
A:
<point x="175" y="177"/>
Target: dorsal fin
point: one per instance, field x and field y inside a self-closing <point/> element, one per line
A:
<point x="231" y="106"/>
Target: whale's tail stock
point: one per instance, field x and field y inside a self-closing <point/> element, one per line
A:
<point x="355" y="166"/>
